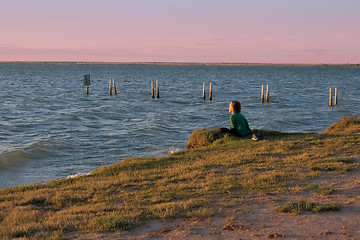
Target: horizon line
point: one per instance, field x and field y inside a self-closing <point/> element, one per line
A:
<point x="183" y="63"/>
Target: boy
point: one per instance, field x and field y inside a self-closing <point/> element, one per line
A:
<point x="238" y="123"/>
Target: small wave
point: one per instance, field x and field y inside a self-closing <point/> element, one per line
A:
<point x="78" y="175"/>
<point x="13" y="158"/>
<point x="38" y="149"/>
<point x="5" y="123"/>
<point x="40" y="100"/>
<point x="46" y="146"/>
<point x="173" y="150"/>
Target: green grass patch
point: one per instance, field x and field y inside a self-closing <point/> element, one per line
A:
<point x="325" y="190"/>
<point x="113" y="223"/>
<point x="339" y="164"/>
<point x="300" y="206"/>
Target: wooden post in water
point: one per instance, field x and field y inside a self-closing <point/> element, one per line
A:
<point x="114" y="87"/>
<point x="203" y="91"/>
<point x="210" y="93"/>
<point x="267" y="93"/>
<point x="330" y="97"/>
<point x="262" y="93"/>
<point x="157" y="89"/>
<point x="110" y="87"/>
<point x="86" y="82"/>
<point x="335" y="99"/>
<point x="152" y="89"/>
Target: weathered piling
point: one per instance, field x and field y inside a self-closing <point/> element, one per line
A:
<point x="262" y="93"/>
<point x="114" y="87"/>
<point x="330" y="97"/>
<point x="335" y="98"/>
<point x="110" y="87"/>
<point x="86" y="82"/>
<point x="267" y="93"/>
<point x="210" y="92"/>
<point x="157" y="89"/>
<point x="203" y="91"/>
<point x="152" y="89"/>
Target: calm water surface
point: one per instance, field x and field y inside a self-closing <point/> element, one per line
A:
<point x="50" y="129"/>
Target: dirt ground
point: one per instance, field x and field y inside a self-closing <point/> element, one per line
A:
<point x="256" y="218"/>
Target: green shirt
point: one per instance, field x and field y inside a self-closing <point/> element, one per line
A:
<point x="239" y="122"/>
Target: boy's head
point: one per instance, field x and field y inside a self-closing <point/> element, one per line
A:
<point x="235" y="107"/>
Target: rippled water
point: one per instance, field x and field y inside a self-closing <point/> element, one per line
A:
<point x="50" y="129"/>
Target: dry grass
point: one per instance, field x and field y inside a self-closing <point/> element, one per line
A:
<point x="195" y="183"/>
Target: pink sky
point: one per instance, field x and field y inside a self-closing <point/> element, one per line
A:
<point x="252" y="31"/>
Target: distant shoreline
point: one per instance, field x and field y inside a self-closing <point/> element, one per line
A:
<point x="186" y="64"/>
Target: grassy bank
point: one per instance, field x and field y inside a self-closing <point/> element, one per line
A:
<point x="204" y="181"/>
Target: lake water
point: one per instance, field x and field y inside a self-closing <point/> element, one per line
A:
<point x="50" y="129"/>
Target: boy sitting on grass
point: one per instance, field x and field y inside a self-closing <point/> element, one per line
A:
<point x="239" y="126"/>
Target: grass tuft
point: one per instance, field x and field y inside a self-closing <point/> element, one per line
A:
<point x="325" y="190"/>
<point x="347" y="124"/>
<point x="204" y="137"/>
